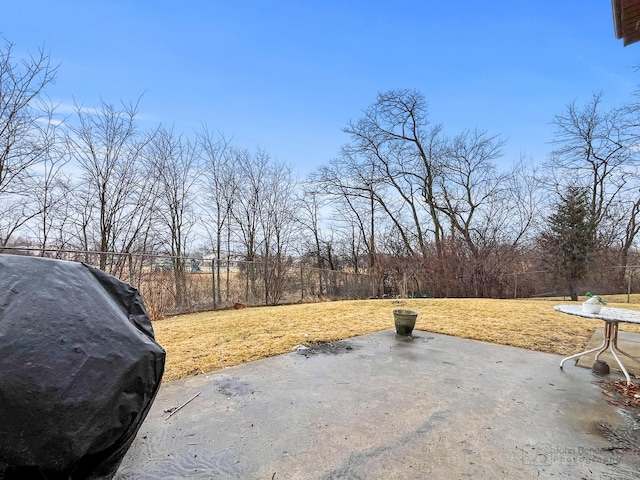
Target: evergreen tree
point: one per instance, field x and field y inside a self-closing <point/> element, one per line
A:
<point x="568" y="239"/>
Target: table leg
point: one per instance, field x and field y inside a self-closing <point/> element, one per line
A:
<point x="608" y="336"/>
<point x="615" y="355"/>
<point x="605" y="344"/>
<point x="615" y="344"/>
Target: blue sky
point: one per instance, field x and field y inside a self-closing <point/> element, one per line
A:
<point x="287" y="76"/>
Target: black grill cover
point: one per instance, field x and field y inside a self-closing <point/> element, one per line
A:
<point x="79" y="369"/>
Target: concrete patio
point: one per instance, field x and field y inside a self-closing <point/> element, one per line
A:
<point x="378" y="406"/>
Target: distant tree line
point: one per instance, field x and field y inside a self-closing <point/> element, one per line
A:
<point x="404" y="199"/>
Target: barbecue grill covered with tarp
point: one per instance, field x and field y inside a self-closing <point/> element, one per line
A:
<point x="79" y="369"/>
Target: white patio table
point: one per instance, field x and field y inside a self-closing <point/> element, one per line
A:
<point x="611" y="317"/>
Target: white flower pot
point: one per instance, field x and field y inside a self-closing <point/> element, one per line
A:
<point x="592" y="308"/>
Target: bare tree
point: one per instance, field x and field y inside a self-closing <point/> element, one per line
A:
<point x="350" y="183"/>
<point x="395" y="136"/>
<point x="263" y="214"/>
<point x="172" y="163"/>
<point x="25" y="134"/>
<point x="469" y="182"/>
<point x="219" y="187"/>
<point x="596" y="149"/>
<point x="252" y="173"/>
<point x="107" y="147"/>
<point x="51" y="188"/>
<point x="332" y="237"/>
<point x="454" y="214"/>
<point x="278" y="225"/>
<point x="593" y="149"/>
<point x="309" y="217"/>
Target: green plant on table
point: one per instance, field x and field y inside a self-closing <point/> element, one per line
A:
<point x="595" y="299"/>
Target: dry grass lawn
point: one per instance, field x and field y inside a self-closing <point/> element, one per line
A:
<point x="208" y="341"/>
